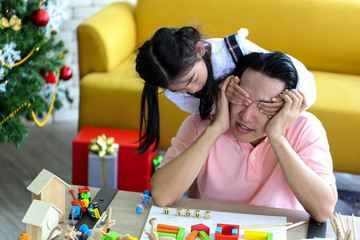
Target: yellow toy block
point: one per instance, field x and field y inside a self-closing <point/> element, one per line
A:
<point x="255" y="235"/>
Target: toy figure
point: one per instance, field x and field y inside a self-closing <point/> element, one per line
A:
<point x="153" y="234"/>
<point x="71" y="233"/>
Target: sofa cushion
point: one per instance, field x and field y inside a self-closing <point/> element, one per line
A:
<point x="112" y="99"/>
<point x="338" y="108"/>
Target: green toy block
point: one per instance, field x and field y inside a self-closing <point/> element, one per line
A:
<point x="111" y="236"/>
<point x="269" y="236"/>
<point x="161" y="234"/>
<point x="203" y="235"/>
<point x="180" y="234"/>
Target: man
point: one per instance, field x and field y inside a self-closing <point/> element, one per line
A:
<point x="243" y="156"/>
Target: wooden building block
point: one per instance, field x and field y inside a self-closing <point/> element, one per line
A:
<point x="207" y="215"/>
<point x="179" y="212"/>
<point x="166" y="210"/>
<point x="255" y="235"/>
<point x="192" y="235"/>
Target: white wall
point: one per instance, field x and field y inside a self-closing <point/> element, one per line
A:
<point x="78" y="11"/>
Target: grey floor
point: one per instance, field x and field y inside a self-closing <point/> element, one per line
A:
<point x="50" y="147"/>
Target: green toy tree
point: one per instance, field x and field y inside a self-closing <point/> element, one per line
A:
<point x="32" y="70"/>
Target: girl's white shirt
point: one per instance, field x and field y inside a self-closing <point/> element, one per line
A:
<point x="223" y="65"/>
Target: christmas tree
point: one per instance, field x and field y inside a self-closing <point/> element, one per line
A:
<point x="32" y="67"/>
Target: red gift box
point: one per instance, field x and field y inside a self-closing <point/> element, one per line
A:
<point x="134" y="171"/>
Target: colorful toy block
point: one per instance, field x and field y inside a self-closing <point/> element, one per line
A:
<point x="164" y="226"/>
<point x="255" y="235"/>
<point x="201" y="227"/>
<point x="180" y="234"/>
<point x="162" y="234"/>
<point x="167" y="230"/>
<point x="226" y="232"/>
<point x="204" y="236"/>
<point x="192" y="235"/>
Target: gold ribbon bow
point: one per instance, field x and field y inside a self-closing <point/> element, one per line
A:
<point x="103" y="146"/>
<point x="14" y="23"/>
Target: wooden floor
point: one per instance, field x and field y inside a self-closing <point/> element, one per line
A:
<point x="49" y="147"/>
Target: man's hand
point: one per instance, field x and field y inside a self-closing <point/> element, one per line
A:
<point x="222" y="118"/>
<point x="295" y="104"/>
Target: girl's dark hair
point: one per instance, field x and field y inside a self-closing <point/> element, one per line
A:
<point x="167" y="56"/>
<point x="273" y="64"/>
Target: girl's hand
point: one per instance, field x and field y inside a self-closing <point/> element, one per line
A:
<point x="235" y="94"/>
<point x="295" y="104"/>
<point x="270" y="109"/>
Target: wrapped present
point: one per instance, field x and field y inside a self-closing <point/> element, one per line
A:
<point x="103" y="162"/>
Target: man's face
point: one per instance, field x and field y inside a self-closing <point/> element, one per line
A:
<point x="247" y="123"/>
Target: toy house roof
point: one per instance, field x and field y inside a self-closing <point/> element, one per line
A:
<point x="40" y="182"/>
<point x="37" y="212"/>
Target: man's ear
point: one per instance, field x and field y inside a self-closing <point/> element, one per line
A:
<point x="200" y="48"/>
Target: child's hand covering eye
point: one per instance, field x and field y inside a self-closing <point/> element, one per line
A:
<point x="235" y="94"/>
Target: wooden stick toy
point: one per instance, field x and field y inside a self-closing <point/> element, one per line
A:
<point x="342" y="233"/>
<point x="266" y="225"/>
<point x="289" y="227"/>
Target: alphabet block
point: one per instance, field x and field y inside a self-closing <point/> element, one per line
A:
<point x="166" y="210"/>
<point x="207" y="215"/>
<point x="197" y="214"/>
<point x="188" y="213"/>
<point x="179" y="212"/>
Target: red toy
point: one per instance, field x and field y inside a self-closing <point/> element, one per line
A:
<point x="226" y="232"/>
<point x="201" y="227"/>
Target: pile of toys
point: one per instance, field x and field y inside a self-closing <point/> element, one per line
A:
<point x="82" y="205"/>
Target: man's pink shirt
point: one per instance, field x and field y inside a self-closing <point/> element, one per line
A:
<point x="237" y="172"/>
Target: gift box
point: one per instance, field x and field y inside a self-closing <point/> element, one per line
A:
<point x="103" y="171"/>
<point x="134" y="170"/>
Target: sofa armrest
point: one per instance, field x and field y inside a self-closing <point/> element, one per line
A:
<point x="106" y="38"/>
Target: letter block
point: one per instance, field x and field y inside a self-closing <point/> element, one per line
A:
<point x="166" y="210"/>
<point x="188" y="213"/>
<point x="179" y="212"/>
<point x="207" y="215"/>
<point x="197" y="214"/>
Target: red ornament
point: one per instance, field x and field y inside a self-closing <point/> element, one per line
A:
<point x="40" y="17"/>
<point x="66" y="73"/>
<point x="49" y="78"/>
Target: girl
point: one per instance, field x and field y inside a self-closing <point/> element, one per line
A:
<point x="189" y="68"/>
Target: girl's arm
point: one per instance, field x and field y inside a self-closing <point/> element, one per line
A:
<point x="184" y="101"/>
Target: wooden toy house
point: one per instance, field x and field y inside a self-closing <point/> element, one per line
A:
<point x="48" y="187"/>
<point x="40" y="219"/>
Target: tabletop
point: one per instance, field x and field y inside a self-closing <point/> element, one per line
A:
<point x="128" y="222"/>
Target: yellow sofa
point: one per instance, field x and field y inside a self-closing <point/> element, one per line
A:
<point x="323" y="34"/>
